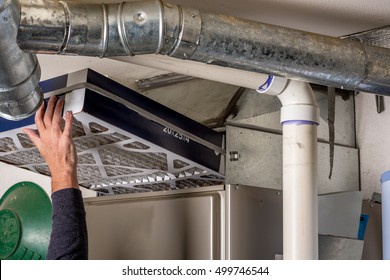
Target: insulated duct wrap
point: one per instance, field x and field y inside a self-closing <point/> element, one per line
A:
<point x="20" y="94"/>
<point x="151" y="26"/>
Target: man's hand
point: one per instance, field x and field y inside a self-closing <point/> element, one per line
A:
<point x="55" y="143"/>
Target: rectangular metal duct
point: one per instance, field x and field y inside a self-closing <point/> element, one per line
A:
<point x="125" y="142"/>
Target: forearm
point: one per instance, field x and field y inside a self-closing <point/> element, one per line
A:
<point x="64" y="179"/>
<point x="69" y="237"/>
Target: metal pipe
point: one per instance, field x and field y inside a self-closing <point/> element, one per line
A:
<point x="151" y="26"/>
<point x="20" y="94"/>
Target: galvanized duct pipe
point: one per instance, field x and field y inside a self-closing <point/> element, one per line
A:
<point x="152" y="26"/>
<point x="19" y="71"/>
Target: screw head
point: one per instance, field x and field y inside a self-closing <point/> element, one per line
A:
<point x="234" y="156"/>
<point x="140" y="17"/>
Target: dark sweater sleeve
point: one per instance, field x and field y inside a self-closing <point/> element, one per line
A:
<point x="69" y="238"/>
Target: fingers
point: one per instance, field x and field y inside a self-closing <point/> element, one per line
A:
<point x="57" y="115"/>
<point x="50" y="110"/>
<point x="33" y="136"/>
<point x="68" y="124"/>
<point x="52" y="118"/>
<point x="39" y="117"/>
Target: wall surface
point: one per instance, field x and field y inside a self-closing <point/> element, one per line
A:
<point x="10" y="175"/>
<point x="372" y="133"/>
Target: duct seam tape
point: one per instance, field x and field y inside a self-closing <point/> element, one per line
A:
<point x="385" y="181"/>
<point x="299" y="112"/>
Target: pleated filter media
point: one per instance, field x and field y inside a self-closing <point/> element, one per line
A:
<point x="126" y="143"/>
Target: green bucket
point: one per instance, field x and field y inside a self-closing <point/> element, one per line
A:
<point x="25" y="222"/>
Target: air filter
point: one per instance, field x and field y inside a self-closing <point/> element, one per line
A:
<point x="125" y="142"/>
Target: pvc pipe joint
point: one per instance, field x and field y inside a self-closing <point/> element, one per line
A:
<point x="299" y="113"/>
<point x="297" y="98"/>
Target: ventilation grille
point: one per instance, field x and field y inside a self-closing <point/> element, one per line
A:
<point x="113" y="161"/>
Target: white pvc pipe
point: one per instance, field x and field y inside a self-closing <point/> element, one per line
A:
<point x="300" y="117"/>
<point x="300" y="208"/>
<point x="216" y="73"/>
<point x="385" y="181"/>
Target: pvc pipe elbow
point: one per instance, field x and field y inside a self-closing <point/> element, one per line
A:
<point x="298" y="101"/>
<point x="297" y="92"/>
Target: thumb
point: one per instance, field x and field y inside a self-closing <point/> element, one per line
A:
<point x="34" y="137"/>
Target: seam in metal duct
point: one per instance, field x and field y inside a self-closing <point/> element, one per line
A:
<point x="20" y="94"/>
<point x="151" y="26"/>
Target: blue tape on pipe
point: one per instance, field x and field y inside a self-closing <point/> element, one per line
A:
<point x="385" y="176"/>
